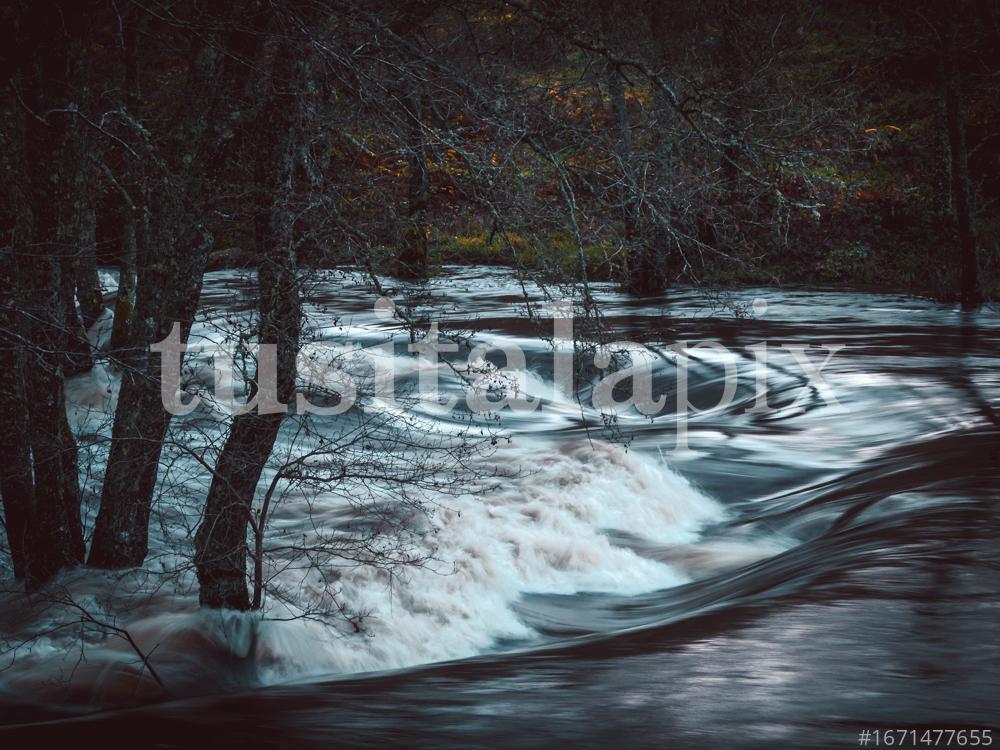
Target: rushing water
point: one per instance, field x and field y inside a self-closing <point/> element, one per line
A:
<point x="790" y="578"/>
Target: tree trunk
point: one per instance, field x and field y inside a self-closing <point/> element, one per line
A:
<point x="641" y="275"/>
<point x="82" y="223"/>
<point x="662" y="241"/>
<point x="77" y="220"/>
<point x="125" y="295"/>
<point x="730" y="60"/>
<point x="88" y="282"/>
<point x="639" y="279"/>
<point x="412" y="262"/>
<point x="170" y="275"/>
<point x="134" y="198"/>
<point x="16" y="481"/>
<point x="220" y="543"/>
<point x="76" y="345"/>
<point x="121" y="532"/>
<point x="17" y="485"/>
<point x="221" y="540"/>
<point x="961" y="184"/>
<point x="51" y="147"/>
<point x="57" y="534"/>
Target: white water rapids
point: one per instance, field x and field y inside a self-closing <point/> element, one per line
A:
<point x="573" y="513"/>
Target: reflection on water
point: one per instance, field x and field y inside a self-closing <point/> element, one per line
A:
<point x="815" y="569"/>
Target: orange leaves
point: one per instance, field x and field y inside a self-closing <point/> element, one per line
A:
<point x="887" y="128"/>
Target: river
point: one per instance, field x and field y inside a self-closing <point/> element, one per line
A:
<point x="793" y="576"/>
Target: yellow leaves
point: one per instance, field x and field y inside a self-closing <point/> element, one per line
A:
<point x="641" y="96"/>
<point x="891" y="128"/>
<point x="481" y="244"/>
<point x="466" y="241"/>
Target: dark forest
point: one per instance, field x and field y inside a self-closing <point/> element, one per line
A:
<point x="480" y="345"/>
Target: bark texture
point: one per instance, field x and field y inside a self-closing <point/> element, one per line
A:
<point x="221" y="540"/>
<point x="42" y="341"/>
<point x="171" y="266"/>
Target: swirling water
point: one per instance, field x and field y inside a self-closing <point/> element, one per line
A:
<point x="793" y="576"/>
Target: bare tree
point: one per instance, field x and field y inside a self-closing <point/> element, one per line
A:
<point x="170" y="277"/>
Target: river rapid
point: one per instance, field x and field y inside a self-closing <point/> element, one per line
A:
<point x="790" y="577"/>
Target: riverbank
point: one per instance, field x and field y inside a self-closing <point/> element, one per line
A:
<point x="901" y="268"/>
